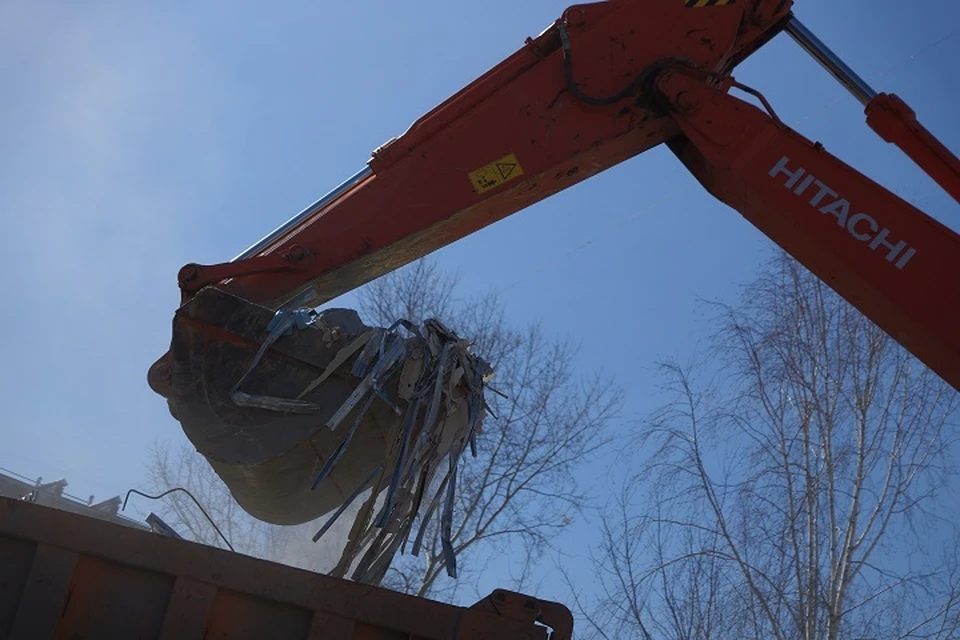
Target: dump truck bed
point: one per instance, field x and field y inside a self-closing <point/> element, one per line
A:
<point x="64" y="575"/>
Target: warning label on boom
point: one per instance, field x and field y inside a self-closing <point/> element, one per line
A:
<point x="496" y="173"/>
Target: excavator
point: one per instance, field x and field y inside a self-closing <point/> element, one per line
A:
<point x="298" y="409"/>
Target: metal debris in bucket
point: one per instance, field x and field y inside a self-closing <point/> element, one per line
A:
<point x="440" y="384"/>
<point x="327" y="412"/>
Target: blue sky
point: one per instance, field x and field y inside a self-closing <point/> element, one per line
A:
<point x="137" y="137"/>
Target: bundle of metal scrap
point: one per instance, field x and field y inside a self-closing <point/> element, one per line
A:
<point x="429" y="379"/>
<point x="440" y="385"/>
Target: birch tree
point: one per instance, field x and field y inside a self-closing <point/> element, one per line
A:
<point x="797" y="485"/>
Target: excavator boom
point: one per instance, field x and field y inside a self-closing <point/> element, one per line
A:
<point x="572" y="102"/>
<point x="605" y="82"/>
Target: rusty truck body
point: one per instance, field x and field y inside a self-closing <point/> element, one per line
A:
<point x="64" y="575"/>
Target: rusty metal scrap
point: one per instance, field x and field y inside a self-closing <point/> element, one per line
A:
<point x="442" y="382"/>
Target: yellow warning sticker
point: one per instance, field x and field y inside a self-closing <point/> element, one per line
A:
<point x="696" y="4"/>
<point x="496" y="173"/>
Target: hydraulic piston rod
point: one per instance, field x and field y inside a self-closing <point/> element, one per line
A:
<point x="830" y="61"/>
<point x="295" y="221"/>
<point x="887" y="114"/>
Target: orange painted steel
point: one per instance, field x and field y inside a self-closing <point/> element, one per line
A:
<point x="64" y="575"/>
<point x="896" y="122"/>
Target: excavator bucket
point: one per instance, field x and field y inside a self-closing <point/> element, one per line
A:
<point x="300" y="412"/>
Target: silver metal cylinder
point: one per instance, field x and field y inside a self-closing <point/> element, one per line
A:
<point x="293" y="222"/>
<point x="830" y="61"/>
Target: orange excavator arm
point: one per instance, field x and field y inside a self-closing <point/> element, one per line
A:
<point x="604" y="83"/>
<point x="596" y="88"/>
<point x="897" y="265"/>
<point x="571" y="103"/>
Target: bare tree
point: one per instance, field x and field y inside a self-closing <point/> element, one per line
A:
<point x="513" y="497"/>
<point x="545" y="422"/>
<point x="801" y="486"/>
<point x="654" y="582"/>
